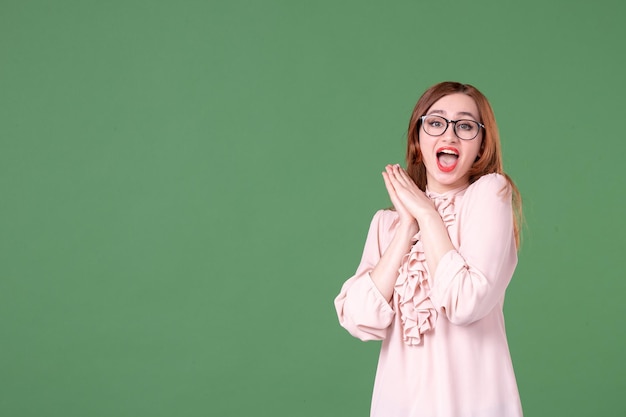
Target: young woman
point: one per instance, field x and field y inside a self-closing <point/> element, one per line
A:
<point x="434" y="271"/>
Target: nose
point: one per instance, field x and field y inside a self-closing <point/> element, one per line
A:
<point x="450" y="133"/>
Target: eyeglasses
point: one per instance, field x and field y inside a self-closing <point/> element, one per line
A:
<point x="437" y="126"/>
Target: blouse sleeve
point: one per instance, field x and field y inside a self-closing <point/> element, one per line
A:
<point x="361" y="308"/>
<point x="470" y="281"/>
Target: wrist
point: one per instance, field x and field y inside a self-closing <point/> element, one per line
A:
<point x="428" y="215"/>
<point x="430" y="220"/>
<point x="409" y="227"/>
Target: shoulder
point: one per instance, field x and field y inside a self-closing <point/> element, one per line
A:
<point x="494" y="180"/>
<point x="489" y="193"/>
<point x="490" y="185"/>
<point x="385" y="219"/>
<point x="383" y="224"/>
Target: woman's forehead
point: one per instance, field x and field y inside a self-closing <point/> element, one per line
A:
<point x="455" y="105"/>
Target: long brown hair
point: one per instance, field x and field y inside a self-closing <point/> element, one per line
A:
<point x="490" y="156"/>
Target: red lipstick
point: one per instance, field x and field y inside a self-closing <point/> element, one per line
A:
<point x="447" y="158"/>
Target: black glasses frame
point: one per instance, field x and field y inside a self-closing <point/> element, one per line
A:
<point x="448" y="121"/>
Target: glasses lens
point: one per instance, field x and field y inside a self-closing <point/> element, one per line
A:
<point x="466" y="129"/>
<point x="435" y="125"/>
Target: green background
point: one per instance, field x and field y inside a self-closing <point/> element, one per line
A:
<point x="185" y="185"/>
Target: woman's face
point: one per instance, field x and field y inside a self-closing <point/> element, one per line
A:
<point x="447" y="158"/>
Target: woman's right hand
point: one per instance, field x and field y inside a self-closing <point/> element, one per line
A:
<point x="385" y="273"/>
<point x="405" y="217"/>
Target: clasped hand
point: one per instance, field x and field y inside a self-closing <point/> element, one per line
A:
<point x="410" y="202"/>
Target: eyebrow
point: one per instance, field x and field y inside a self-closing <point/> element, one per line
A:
<point x="463" y="113"/>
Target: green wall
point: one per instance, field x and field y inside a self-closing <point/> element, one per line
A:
<point x="185" y="185"/>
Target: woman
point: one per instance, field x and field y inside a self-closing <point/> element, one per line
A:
<point x="434" y="271"/>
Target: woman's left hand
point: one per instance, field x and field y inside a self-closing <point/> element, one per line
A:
<point x="411" y="197"/>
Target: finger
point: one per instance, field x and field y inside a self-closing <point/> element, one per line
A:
<point x="401" y="171"/>
<point x="393" y="195"/>
<point x="408" y="181"/>
<point x="404" y="174"/>
<point x="401" y="175"/>
<point x="397" y="193"/>
<point x="392" y="171"/>
<point x="389" y="185"/>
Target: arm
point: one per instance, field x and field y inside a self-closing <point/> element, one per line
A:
<point x="361" y="308"/>
<point x="385" y="273"/>
<point x="469" y="282"/>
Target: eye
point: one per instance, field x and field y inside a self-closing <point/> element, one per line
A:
<point x="435" y="121"/>
<point x="466" y="125"/>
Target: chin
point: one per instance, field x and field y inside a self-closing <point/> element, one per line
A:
<point x="442" y="182"/>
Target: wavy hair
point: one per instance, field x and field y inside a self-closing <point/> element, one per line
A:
<point x="490" y="156"/>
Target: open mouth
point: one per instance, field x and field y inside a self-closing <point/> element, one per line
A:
<point x="447" y="158"/>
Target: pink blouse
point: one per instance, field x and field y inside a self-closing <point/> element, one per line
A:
<point x="444" y="351"/>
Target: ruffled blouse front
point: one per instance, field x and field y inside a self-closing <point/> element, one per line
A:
<point x="417" y="312"/>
